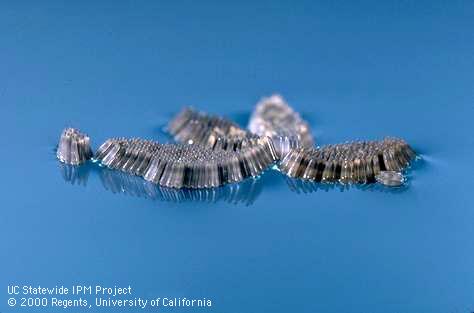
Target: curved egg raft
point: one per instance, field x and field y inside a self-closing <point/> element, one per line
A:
<point x="74" y="147"/>
<point x="274" y="118"/>
<point x="181" y="165"/>
<point x="356" y="162"/>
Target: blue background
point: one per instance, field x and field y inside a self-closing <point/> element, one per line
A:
<point x="355" y="70"/>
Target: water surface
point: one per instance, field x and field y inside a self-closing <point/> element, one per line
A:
<point x="355" y="71"/>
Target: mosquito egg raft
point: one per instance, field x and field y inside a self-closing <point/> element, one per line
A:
<point x="74" y="147"/>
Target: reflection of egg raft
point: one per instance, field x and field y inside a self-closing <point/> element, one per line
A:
<point x="356" y="162"/>
<point x="390" y="178"/>
<point x="119" y="182"/>
<point x="74" y="147"/>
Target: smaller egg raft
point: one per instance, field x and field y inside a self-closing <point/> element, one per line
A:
<point x="271" y="118"/>
<point x="361" y="162"/>
<point x="194" y="127"/>
<point x="215" y="132"/>
<point x="74" y="147"/>
<point x="274" y="118"/>
<point x="182" y="165"/>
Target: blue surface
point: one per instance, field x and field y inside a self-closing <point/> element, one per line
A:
<point x="358" y="70"/>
